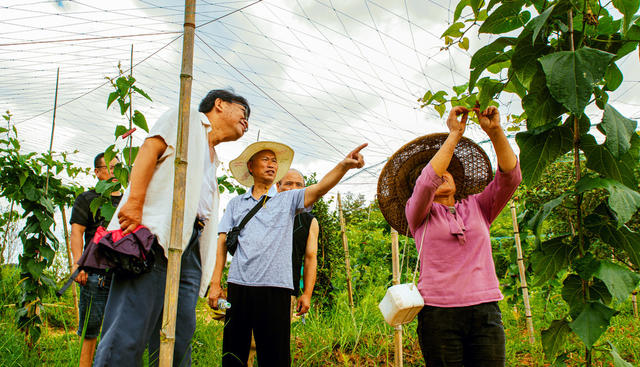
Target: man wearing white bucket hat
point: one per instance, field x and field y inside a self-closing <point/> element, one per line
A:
<point x="260" y="277"/>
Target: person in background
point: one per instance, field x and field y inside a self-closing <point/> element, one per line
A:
<point x="305" y="247"/>
<point x="94" y="286"/>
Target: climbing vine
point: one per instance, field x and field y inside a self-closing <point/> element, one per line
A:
<point x="32" y="181"/>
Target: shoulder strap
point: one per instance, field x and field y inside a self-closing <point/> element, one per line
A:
<point x="415" y="271"/>
<point x="253" y="212"/>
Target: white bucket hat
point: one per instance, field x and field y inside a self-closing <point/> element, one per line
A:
<point x="238" y="166"/>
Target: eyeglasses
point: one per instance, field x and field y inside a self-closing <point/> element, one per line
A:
<point x="244" y="109"/>
<point x="111" y="168"/>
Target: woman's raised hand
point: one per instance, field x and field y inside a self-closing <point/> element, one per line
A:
<point x="489" y="119"/>
<point x="456" y="126"/>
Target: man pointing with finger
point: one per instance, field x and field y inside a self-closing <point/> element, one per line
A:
<point x="260" y="277"/>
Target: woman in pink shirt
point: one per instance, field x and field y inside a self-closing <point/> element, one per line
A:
<point x="461" y="323"/>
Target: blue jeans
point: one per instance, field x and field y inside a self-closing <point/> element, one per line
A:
<point x="462" y="336"/>
<point x="93" y="299"/>
<point x="133" y="316"/>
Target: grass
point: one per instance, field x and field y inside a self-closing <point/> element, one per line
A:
<point x="331" y="337"/>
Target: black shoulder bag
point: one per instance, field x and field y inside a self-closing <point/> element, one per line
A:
<point x="232" y="235"/>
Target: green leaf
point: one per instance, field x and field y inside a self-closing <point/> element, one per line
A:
<point x="592" y="322"/>
<point x="538" y="22"/>
<point x="106" y="211"/>
<point x="539" y="150"/>
<point x="95" y="205"/>
<point x="541" y="108"/>
<point x="613" y="76"/>
<point x="140" y="121"/>
<point x="47" y="252"/>
<point x="441" y="108"/>
<point x="505" y="19"/>
<point x="618" y="130"/>
<point x="124" y="106"/>
<point x="476" y="5"/>
<point x="554" y="338"/>
<point x="461" y="5"/>
<point x="112" y="97"/>
<point x="630" y="42"/>
<point x="122" y="175"/>
<point x="123" y="86"/>
<point x="622" y="200"/>
<point x="617" y="360"/>
<point x="142" y="93"/>
<point x="120" y="129"/>
<point x="573" y="292"/>
<point x="454" y="30"/>
<point x="571" y="75"/>
<point x="134" y="154"/>
<point x="535" y="223"/>
<point x="600" y="159"/>
<point x="110" y="153"/>
<point x="488" y="55"/>
<point x="35" y="267"/>
<point x="106" y="186"/>
<point x="552" y="256"/>
<point x="460" y="88"/>
<point x="629" y="9"/>
<point x="620" y="238"/>
<point x="619" y="280"/>
<point x="488" y="89"/>
<point x="464" y="44"/>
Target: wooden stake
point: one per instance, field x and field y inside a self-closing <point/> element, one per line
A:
<point x="167" y="334"/>
<point x="346" y="251"/>
<point x="523" y="277"/>
<point x="395" y="261"/>
<point x="70" y="258"/>
<point x="635" y="303"/>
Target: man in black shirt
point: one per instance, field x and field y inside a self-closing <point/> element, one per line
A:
<point x="305" y="246"/>
<point x="94" y="286"/>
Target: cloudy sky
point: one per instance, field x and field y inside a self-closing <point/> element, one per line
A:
<point x="321" y="76"/>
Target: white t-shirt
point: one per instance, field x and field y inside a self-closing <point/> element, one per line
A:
<point x="158" y="204"/>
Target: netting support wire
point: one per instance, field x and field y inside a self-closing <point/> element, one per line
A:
<point x="53" y="127"/>
<point x="363" y="170"/>
<point x="269" y="96"/>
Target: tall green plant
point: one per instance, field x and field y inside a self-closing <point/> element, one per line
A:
<point x="560" y="57"/>
<point x="26" y="181"/>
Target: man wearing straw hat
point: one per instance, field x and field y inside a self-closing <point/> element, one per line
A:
<point x="260" y="277"/>
<point x="133" y="315"/>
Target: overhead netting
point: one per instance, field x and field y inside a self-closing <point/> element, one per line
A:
<point x="321" y="76"/>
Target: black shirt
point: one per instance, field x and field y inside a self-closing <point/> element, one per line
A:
<point x="301" y="225"/>
<point x="81" y="214"/>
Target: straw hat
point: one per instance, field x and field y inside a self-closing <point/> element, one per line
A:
<point x="238" y="166"/>
<point x="470" y="167"/>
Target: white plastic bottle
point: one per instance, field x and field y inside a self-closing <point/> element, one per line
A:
<point x="223" y="304"/>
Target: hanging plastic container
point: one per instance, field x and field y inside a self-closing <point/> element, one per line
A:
<point x="401" y="304"/>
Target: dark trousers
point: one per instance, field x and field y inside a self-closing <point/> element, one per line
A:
<point x="462" y="336"/>
<point x="133" y="315"/>
<point x="265" y="311"/>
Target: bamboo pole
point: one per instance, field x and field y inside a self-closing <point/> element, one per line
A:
<point x="523" y="277"/>
<point x="634" y="300"/>
<point x="346" y="251"/>
<point x="53" y="128"/>
<point x="70" y="258"/>
<point x="395" y="261"/>
<point x="167" y="334"/>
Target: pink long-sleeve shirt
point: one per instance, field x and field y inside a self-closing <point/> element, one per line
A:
<point x="456" y="264"/>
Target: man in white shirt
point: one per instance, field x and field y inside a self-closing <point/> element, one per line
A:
<point x="133" y="314"/>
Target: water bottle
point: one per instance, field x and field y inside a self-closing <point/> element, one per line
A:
<point x="223" y="304"/>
